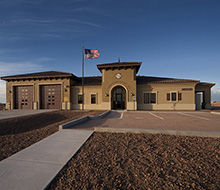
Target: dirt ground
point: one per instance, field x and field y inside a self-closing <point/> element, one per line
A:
<point x="21" y="132"/>
<point x="143" y="161"/>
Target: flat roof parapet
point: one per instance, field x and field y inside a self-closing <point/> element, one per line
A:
<point x="119" y="65"/>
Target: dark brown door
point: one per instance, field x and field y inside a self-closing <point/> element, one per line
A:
<point x="50" y="96"/>
<point x="119" y="101"/>
<point x="118" y="98"/>
<point x="23" y="97"/>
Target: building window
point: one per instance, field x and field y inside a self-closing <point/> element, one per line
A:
<point x="153" y="98"/>
<point x="173" y="96"/>
<point x="80" y="98"/>
<point x="93" y="98"/>
<point x="150" y="98"/>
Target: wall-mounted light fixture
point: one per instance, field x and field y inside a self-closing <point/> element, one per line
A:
<point x="9" y="91"/>
<point x="65" y="90"/>
<point x="106" y="95"/>
<point x="132" y="94"/>
<point x="66" y="86"/>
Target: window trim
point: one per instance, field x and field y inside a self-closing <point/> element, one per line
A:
<point x="149" y="92"/>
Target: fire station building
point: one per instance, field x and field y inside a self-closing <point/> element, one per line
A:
<point x="119" y="87"/>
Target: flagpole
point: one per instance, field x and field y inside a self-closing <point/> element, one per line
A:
<point x="83" y="57"/>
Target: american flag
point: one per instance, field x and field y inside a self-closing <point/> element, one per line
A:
<point x="91" y="53"/>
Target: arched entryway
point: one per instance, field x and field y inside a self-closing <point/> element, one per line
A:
<point x="118" y="98"/>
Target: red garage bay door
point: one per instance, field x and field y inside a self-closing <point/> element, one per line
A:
<point x="50" y="96"/>
<point x="23" y="97"/>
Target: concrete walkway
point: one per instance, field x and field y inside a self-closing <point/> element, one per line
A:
<point x="5" y="114"/>
<point x="35" y="166"/>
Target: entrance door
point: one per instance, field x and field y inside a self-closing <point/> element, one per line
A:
<point x="198" y="101"/>
<point x="119" y="101"/>
<point x="118" y="98"/>
<point x="50" y="96"/>
<point x="23" y="97"/>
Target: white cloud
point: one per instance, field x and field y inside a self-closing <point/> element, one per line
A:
<point x="17" y="68"/>
<point x="43" y="59"/>
<point x="216" y="88"/>
<point x="7" y="68"/>
<point x="31" y="65"/>
<point x="5" y="51"/>
<point x="19" y="21"/>
<point x="84" y="22"/>
<point x="12" y="37"/>
<point x="19" y="2"/>
<point x="216" y="92"/>
<point x="26" y="21"/>
<point x="50" y="35"/>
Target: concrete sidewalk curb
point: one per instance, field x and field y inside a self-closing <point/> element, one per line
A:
<point x="160" y="131"/>
<point x="218" y="113"/>
<point x="100" y="116"/>
<point x="81" y="120"/>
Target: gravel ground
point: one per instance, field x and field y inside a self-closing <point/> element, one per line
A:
<point x="21" y="132"/>
<point x="143" y="161"/>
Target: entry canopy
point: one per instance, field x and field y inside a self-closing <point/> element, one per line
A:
<point x="119" y="65"/>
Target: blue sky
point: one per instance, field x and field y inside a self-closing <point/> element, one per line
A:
<point x="172" y="38"/>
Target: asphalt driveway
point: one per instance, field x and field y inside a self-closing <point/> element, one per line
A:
<point x="195" y="121"/>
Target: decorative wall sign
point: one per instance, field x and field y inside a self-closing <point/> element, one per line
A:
<point x="187" y="89"/>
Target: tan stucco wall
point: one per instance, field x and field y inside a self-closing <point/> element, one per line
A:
<point x="161" y="90"/>
<point x="127" y="80"/>
<point x="206" y="89"/>
<point x="88" y="90"/>
<point x="69" y="95"/>
<point x="65" y="95"/>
